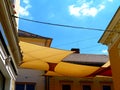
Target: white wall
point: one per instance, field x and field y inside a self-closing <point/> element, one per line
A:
<point x="35" y="76"/>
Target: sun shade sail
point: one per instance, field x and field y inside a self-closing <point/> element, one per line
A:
<point x="52" y="73"/>
<point x="107" y="64"/>
<point x="107" y="70"/>
<point x="104" y="70"/>
<point x="38" y="57"/>
<point x="50" y="60"/>
<point x="74" y="70"/>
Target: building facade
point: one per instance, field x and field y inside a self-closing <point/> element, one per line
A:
<point x="10" y="53"/>
<point x="111" y="38"/>
<point x="70" y="83"/>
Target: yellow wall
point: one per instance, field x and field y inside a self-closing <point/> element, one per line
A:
<point x="76" y="83"/>
<point x="114" y="53"/>
<point x="112" y="40"/>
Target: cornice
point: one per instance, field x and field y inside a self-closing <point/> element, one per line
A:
<point x="112" y="31"/>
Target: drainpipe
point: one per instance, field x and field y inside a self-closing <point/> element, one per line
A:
<point x="47" y="82"/>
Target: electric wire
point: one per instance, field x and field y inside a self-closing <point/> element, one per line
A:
<point x="74" y="42"/>
<point x="68" y="26"/>
<point x="63" y="25"/>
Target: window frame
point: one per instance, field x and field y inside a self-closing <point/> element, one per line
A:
<point x="4" y="68"/>
<point x="86" y="85"/>
<point x="106" y="84"/>
<point x="66" y="82"/>
<point x="90" y="83"/>
<point x="25" y="84"/>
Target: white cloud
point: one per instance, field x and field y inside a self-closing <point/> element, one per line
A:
<point x="74" y="10"/>
<point x="24" y="10"/>
<point x="101" y="7"/>
<point x="85" y="9"/>
<point x="104" y="51"/>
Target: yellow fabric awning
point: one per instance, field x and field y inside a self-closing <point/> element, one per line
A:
<point x="38" y="57"/>
<point x="74" y="70"/>
<point x="52" y="73"/>
<point x="37" y="64"/>
<point x="107" y="64"/>
<point x="50" y="60"/>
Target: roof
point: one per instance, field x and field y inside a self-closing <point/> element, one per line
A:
<point x="22" y="33"/>
<point x="86" y="59"/>
<point x="33" y="38"/>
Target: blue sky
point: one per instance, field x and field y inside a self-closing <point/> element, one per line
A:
<point x="82" y="13"/>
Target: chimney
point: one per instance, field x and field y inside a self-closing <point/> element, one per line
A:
<point x="76" y="50"/>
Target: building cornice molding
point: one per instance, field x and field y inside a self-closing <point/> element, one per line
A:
<point x="112" y="30"/>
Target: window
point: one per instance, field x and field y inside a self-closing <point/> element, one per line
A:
<point x="20" y="87"/>
<point x="66" y="87"/>
<point x="25" y="86"/>
<point x="86" y="87"/>
<point x="66" y="84"/>
<point x="106" y="87"/>
<point x="6" y="81"/>
<point x="30" y="87"/>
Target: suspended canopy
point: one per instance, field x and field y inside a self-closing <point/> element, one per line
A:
<point x="105" y="70"/>
<point x="50" y="60"/>
<point x="74" y="70"/>
<point x="38" y="57"/>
